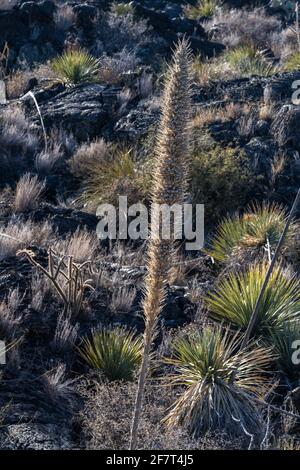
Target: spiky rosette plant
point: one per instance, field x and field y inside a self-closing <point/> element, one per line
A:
<point x="170" y="182"/>
<point x="76" y="66"/>
<point x="253" y="234"/>
<point x="204" y="364"/>
<point x="234" y="299"/>
<point x="116" y="353"/>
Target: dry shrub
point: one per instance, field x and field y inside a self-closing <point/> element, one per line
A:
<point x="208" y="115"/>
<point x="17" y="82"/>
<point x="64" y="17"/>
<point x="40" y="286"/>
<point x="45" y="160"/>
<point x="87" y="156"/>
<point x="243" y="27"/>
<point x="10" y="319"/>
<point x="122" y="299"/>
<point x="106" y="420"/>
<point x="82" y="246"/>
<point x="28" y="193"/>
<point x="19" y="234"/>
<point x="113" y="68"/>
<point x="65" y="334"/>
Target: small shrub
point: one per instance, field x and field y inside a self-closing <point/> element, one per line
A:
<point x="121" y="9"/>
<point x="87" y="156"/>
<point x="115" y="353"/>
<point x="82" y="246"/>
<point x="240" y="27"/>
<point x="28" y="193"/>
<point x="113" y="68"/>
<point x="46" y="160"/>
<point x="204" y="364"/>
<point x="234" y="299"/>
<point x="221" y="179"/>
<point x="10" y="319"/>
<point x="18" y="234"/>
<point x="76" y="66"/>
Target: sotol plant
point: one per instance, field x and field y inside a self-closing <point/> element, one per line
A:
<point x="116" y="353"/>
<point x="255" y="232"/>
<point x="170" y="183"/>
<point x="76" y="66"/>
<point x="235" y="297"/>
<point x="204" y="364"/>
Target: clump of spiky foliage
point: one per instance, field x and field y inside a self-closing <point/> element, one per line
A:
<point x="256" y="232"/>
<point x="170" y="181"/>
<point x="285" y="341"/>
<point x="202" y="8"/>
<point x="76" y="66"/>
<point x="204" y="364"/>
<point x="116" y="353"/>
<point x="247" y="60"/>
<point x="235" y="297"/>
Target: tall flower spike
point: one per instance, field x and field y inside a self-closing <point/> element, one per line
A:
<point x="170" y="185"/>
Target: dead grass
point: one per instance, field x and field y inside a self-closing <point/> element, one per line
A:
<point x="10" y="319"/>
<point x="18" y="234"/>
<point x="82" y="246"/>
<point x="28" y="193"/>
<point x="64" y="17"/>
<point x="8" y="4"/>
<point x="87" y="156"/>
<point x="230" y="112"/>
<point x="65" y="334"/>
<point x="106" y="420"/>
<point x="122" y="299"/>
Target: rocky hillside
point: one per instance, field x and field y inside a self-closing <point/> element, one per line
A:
<point x="81" y="105"/>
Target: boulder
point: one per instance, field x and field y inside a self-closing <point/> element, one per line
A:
<point x="286" y="126"/>
<point x="83" y="109"/>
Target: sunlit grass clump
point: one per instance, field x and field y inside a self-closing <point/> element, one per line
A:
<point x="204" y="364"/>
<point x="292" y="62"/>
<point x="234" y="299"/>
<point x="116" y="353"/>
<point x="247" y="61"/>
<point x="76" y="66"/>
<point x="204" y="8"/>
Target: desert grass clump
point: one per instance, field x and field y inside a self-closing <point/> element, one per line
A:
<point x="88" y="156"/>
<point x="10" y="317"/>
<point x="255" y="233"/>
<point x="292" y="62"/>
<point x="206" y="8"/>
<point x="234" y="299"/>
<point x="122" y="299"/>
<point x="117" y="175"/>
<point x="76" y="66"/>
<point x="81" y="246"/>
<point x="64" y="17"/>
<point x="18" y="234"/>
<point x="247" y="61"/>
<point x="204" y="364"/>
<point x="116" y="353"/>
<point x="170" y="184"/>
<point x="28" y="193"/>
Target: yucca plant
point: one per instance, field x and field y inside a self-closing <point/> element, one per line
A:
<point x="235" y="297"/>
<point x="205" y="8"/>
<point x="254" y="233"/>
<point x="204" y="364"/>
<point x="116" y="353"/>
<point x="76" y="66"/>
<point x="170" y="183"/>
<point x="284" y="340"/>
